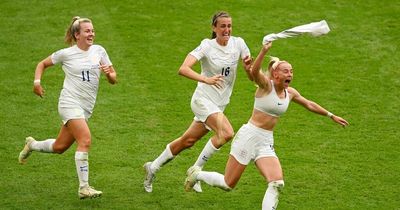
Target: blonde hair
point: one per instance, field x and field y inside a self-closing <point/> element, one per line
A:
<point x="273" y="64"/>
<point x="74" y="27"/>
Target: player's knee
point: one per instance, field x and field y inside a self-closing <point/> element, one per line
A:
<point x="84" y="144"/>
<point x="227" y="135"/>
<point x="189" y="142"/>
<point x="277" y="184"/>
<point x="59" y="149"/>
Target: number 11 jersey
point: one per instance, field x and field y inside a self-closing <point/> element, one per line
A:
<point x="82" y="73"/>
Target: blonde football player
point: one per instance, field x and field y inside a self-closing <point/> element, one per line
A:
<point x="254" y="140"/>
<point x="83" y="63"/>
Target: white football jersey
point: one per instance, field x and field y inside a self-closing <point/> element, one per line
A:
<point x="220" y="60"/>
<point x="82" y="73"/>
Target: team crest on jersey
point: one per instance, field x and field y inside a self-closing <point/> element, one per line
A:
<point x="235" y="57"/>
<point x="94" y="59"/>
<point x="95" y="66"/>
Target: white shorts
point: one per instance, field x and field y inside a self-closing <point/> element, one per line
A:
<point x="252" y="143"/>
<point x="203" y="107"/>
<point x="72" y="112"/>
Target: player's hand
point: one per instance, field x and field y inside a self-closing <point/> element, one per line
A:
<point x="340" y="120"/>
<point x="106" y="68"/>
<point x="247" y="62"/>
<point x="38" y="90"/>
<point x="267" y="46"/>
<point x="216" y="80"/>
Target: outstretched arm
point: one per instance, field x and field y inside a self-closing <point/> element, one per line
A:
<point x="187" y="71"/>
<point x="314" y="107"/>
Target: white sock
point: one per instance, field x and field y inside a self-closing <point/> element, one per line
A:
<point x="161" y="160"/>
<point x="206" y="154"/>
<point x="214" y="179"/>
<point x="270" y="201"/>
<point x="43" y="146"/>
<point x="82" y="167"/>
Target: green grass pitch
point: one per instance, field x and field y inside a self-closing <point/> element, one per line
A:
<point x="353" y="72"/>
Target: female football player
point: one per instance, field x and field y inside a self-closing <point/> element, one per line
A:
<point x="83" y="63"/>
<point x="219" y="57"/>
<point x="254" y="140"/>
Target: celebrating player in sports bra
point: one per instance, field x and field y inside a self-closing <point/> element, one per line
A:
<point x="254" y="140"/>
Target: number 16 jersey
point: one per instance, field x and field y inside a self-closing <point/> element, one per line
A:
<point x="219" y="60"/>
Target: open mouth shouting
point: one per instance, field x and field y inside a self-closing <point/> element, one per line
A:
<point x="287" y="82"/>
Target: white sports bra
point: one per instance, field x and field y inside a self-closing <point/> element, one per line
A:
<point x="271" y="104"/>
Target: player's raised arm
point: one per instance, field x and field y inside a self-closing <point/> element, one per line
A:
<point x="257" y="74"/>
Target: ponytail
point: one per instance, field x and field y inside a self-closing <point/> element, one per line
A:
<point x="273" y="62"/>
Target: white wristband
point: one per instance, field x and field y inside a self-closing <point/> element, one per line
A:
<point x="36" y="81"/>
<point x="329" y="114"/>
